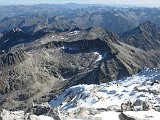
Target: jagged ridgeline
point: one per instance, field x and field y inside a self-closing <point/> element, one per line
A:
<point x="37" y="17"/>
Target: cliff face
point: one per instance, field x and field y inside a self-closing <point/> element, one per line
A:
<point x="7" y="62"/>
<point x="10" y="59"/>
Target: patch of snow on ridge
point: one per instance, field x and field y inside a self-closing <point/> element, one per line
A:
<point x="100" y="57"/>
<point x="69" y="48"/>
<point x="112" y="95"/>
<point x="73" y="33"/>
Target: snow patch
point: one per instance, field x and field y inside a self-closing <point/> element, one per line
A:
<point x="73" y="33"/>
<point x="100" y="57"/>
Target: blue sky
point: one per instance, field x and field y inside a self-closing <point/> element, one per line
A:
<point x="151" y="3"/>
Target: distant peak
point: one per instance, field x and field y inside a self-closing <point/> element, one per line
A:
<point x="59" y="17"/>
<point x="14" y="33"/>
<point x="71" y="3"/>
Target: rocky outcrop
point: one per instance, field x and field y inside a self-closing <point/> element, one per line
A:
<point x="44" y="110"/>
<point x="127" y="106"/>
<point x="10" y="59"/>
<point x="7" y="61"/>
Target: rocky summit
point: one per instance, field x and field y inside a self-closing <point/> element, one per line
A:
<point x="67" y="63"/>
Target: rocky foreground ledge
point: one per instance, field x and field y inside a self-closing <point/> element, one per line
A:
<point x="133" y="98"/>
<point x="110" y="115"/>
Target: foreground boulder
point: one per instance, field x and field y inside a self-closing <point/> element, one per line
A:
<point x="44" y="110"/>
<point x="137" y="105"/>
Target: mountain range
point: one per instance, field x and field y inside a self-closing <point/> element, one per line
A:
<point x="35" y="17"/>
<point x="44" y="50"/>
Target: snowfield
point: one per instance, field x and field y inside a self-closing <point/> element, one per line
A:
<point x="144" y="86"/>
<point x="112" y="95"/>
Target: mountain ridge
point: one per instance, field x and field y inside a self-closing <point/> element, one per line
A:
<point x="146" y="36"/>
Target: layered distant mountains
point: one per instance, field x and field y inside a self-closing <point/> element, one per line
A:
<point x="44" y="52"/>
<point x="37" y="17"/>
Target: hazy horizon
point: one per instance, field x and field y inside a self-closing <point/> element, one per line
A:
<point x="142" y="3"/>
